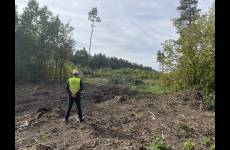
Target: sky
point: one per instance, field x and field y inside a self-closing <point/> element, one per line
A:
<point x="130" y="29"/>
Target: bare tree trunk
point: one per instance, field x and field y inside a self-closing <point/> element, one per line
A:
<point x="61" y="70"/>
<point x="92" y="25"/>
<point x="60" y="66"/>
<point x="190" y="14"/>
<point x="163" y="69"/>
<point x="56" y="67"/>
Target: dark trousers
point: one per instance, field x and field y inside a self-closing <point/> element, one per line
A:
<point x="78" y="104"/>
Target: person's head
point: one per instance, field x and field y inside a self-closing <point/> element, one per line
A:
<point x="75" y="72"/>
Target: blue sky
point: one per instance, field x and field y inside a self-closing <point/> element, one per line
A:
<point x="130" y="29"/>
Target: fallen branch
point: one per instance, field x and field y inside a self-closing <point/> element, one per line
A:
<point x="162" y="134"/>
<point x="94" y="144"/>
<point x="153" y="116"/>
<point x="23" y="126"/>
<point x="45" y="145"/>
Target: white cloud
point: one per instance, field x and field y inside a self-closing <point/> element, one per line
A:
<point x="130" y="29"/>
<point x="204" y="5"/>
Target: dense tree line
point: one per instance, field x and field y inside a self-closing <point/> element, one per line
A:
<point x="43" y="44"/>
<point x="103" y="61"/>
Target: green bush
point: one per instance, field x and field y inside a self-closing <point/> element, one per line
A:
<point x="158" y="144"/>
<point x="187" y="130"/>
<point x="129" y="79"/>
<point x="116" y="80"/>
<point x="212" y="147"/>
<point x="209" y="101"/>
<point x="122" y="79"/>
<point x="69" y="66"/>
<point x="126" y="73"/>
<point x="149" y="89"/>
<point x="171" y="81"/>
<point x="206" y="141"/>
<point x="139" y="82"/>
<point x="188" y="145"/>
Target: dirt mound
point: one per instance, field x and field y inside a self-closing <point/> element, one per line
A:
<point x="115" y="118"/>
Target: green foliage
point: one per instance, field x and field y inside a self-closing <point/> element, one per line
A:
<point x="212" y="147"/>
<point x="185" y="128"/>
<point x="158" y="144"/>
<point x="92" y="15"/>
<point x="138" y="82"/>
<point x="188" y="145"/>
<point x="126" y="76"/>
<point x="206" y="141"/>
<point x="188" y="13"/>
<point x="190" y="60"/>
<point x="116" y="80"/>
<point x="171" y="81"/>
<point x="43" y="45"/>
<point x="209" y="101"/>
<point x="170" y="55"/>
<point x="69" y="67"/>
<point x="129" y="73"/>
<point x="149" y="89"/>
<point x="100" y="61"/>
<point x="80" y="57"/>
<point x="161" y="59"/>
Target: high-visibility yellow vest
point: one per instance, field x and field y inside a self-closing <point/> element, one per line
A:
<point x="74" y="84"/>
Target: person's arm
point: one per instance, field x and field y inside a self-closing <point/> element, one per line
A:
<point x="81" y="86"/>
<point x="67" y="88"/>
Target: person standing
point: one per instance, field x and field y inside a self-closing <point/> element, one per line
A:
<point x="74" y="87"/>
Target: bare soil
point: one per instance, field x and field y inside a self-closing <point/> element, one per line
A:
<point x="115" y="118"/>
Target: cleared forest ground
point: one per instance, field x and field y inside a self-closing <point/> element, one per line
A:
<point x="115" y="118"/>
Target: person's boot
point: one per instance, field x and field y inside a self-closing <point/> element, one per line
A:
<point x="77" y="118"/>
<point x="65" y="121"/>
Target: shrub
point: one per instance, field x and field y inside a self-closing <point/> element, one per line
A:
<point x="158" y="144"/>
<point x="209" y="101"/>
<point x="212" y="147"/>
<point x="139" y="82"/>
<point x="187" y="130"/>
<point x="206" y="141"/>
<point x="188" y="145"/>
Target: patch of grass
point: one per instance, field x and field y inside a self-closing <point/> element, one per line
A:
<point x="187" y="130"/>
<point x="139" y="82"/>
<point x="149" y="89"/>
<point x="189" y="145"/>
<point x="45" y="136"/>
<point x="158" y="144"/>
<point x="212" y="147"/>
<point x="82" y="126"/>
<point x="139" y="114"/>
<point x="209" y="101"/>
<point x="206" y="141"/>
<point x="135" y="73"/>
<point x="95" y="80"/>
<point x="183" y="126"/>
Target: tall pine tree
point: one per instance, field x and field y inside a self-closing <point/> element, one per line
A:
<point x="188" y="13"/>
